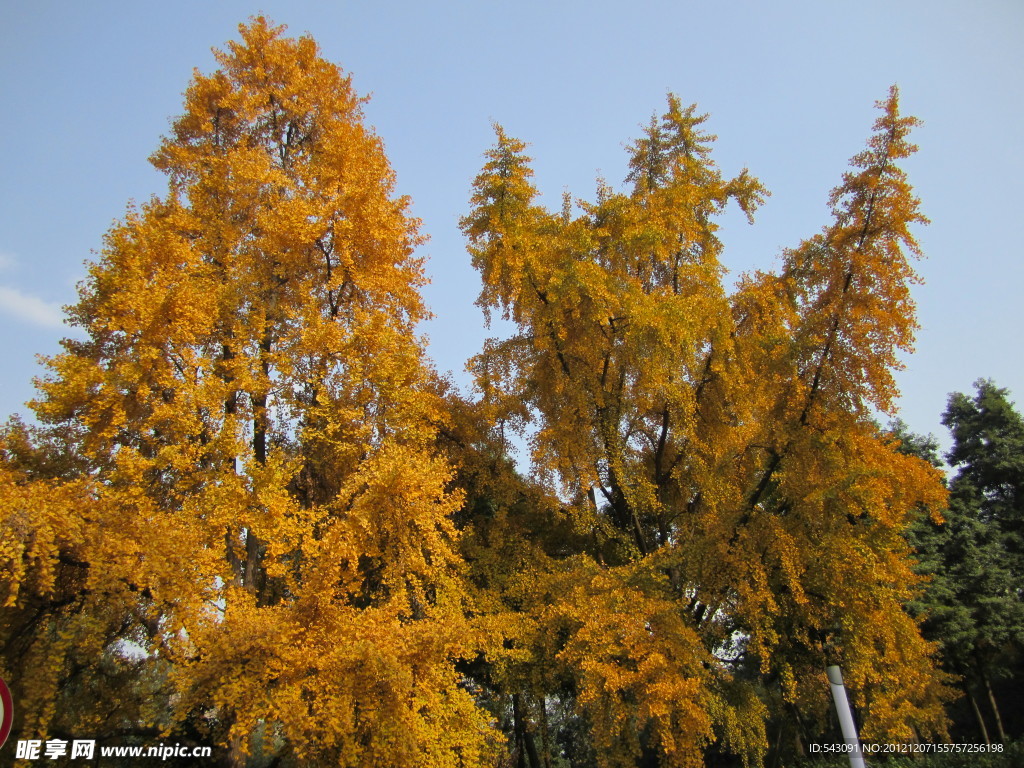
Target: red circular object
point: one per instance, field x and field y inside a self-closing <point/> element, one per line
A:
<point x="7" y="719"/>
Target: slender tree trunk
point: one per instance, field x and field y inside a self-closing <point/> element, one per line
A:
<point x="518" y="731"/>
<point x="254" y="576"/>
<point x="527" y="748"/>
<point x="778" y="744"/>
<point x="545" y="736"/>
<point x="230" y="409"/>
<point x="236" y="752"/>
<point x="995" y="708"/>
<point x="977" y="714"/>
<point x="798" y="741"/>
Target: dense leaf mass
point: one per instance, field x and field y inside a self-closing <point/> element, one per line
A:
<point x="252" y="516"/>
<point x="973" y="605"/>
<point x="264" y="518"/>
<point x="744" y="515"/>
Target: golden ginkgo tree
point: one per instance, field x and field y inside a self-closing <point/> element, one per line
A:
<point x="251" y="516"/>
<point x="745" y="515"/>
<point x="261" y="535"/>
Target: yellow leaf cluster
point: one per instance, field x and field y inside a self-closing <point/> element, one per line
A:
<point x="265" y="533"/>
<point x="745" y="515"/>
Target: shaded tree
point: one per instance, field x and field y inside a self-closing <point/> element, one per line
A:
<point x="974" y="604"/>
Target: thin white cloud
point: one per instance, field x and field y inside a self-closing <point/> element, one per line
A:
<point x="30" y="309"/>
<point x="7" y="260"/>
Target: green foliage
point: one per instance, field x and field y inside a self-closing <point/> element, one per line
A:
<point x="973" y="604"/>
<point x="984" y="550"/>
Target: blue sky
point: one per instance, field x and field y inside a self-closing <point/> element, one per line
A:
<point x="88" y="89"/>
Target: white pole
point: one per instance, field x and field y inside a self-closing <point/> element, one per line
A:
<point x="835" y="682"/>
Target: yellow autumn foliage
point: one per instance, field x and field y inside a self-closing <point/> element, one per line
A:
<point x="264" y="531"/>
<point x="745" y="513"/>
<point x="254" y="517"/>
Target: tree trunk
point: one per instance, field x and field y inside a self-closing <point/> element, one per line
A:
<point x="798" y="742"/>
<point x="236" y="752"/>
<point x="977" y="714"/>
<point x="545" y="735"/>
<point x="525" y="744"/>
<point x="778" y="744"/>
<point x="995" y="709"/>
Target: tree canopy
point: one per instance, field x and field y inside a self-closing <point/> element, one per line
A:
<point x="252" y="515"/>
<point x="744" y="513"/>
<point x="262" y="532"/>
<point x="973" y="605"/>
